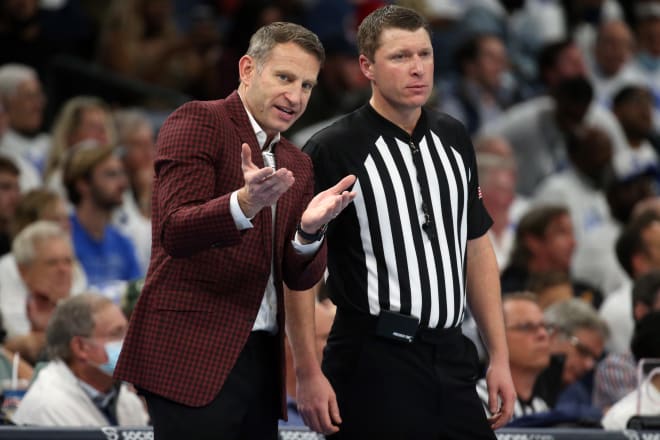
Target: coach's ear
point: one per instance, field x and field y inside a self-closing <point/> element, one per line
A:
<point x="246" y="68"/>
<point x="366" y="67"/>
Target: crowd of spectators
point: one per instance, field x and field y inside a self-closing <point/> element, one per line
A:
<point x="561" y="97"/>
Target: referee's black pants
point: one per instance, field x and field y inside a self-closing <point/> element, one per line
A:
<point x="397" y="390"/>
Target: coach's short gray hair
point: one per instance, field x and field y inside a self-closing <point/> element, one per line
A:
<point x="72" y="317"/>
<point x="25" y="244"/>
<point x="267" y="37"/>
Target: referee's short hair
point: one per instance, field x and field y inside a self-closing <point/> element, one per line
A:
<point x="387" y="17"/>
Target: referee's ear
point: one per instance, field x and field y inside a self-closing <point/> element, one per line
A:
<point x="366" y="66"/>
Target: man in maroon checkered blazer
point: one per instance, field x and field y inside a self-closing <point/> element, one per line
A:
<point x="233" y="219"/>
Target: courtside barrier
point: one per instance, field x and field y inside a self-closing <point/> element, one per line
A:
<point x="141" y="433"/>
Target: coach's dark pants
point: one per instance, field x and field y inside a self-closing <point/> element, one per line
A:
<point x="398" y="390"/>
<point x="247" y="407"/>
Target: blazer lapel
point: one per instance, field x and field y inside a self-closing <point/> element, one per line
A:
<point x="239" y="117"/>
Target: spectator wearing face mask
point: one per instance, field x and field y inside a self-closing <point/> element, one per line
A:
<point x="76" y="388"/>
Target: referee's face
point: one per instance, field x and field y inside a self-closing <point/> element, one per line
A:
<point x="401" y="72"/>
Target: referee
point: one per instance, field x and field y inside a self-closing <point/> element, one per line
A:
<point x="404" y="259"/>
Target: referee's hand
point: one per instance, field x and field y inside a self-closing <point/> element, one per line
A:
<point x="501" y="394"/>
<point x="317" y="403"/>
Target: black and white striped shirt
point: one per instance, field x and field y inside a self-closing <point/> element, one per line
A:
<point x="379" y="254"/>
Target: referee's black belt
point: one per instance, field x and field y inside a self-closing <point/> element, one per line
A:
<point x="394" y="326"/>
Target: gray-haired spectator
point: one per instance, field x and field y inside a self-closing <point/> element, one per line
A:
<point x="44" y="256"/>
<point x="37" y="204"/>
<point x="577" y="344"/>
<point x="23" y="142"/>
<point x="76" y="388"/>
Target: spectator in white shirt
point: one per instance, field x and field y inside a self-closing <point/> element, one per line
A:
<point x="645" y="400"/>
<point x="24" y="102"/>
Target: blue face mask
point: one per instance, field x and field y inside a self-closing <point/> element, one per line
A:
<point x="112" y="349"/>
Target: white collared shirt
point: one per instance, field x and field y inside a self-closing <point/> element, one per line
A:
<point x="267" y="316"/>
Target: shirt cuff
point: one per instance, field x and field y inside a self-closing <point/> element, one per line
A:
<point x="306" y="249"/>
<point x="241" y="221"/>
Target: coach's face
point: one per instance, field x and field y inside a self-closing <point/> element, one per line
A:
<point x="277" y="91"/>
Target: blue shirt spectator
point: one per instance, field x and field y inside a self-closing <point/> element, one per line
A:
<point x="110" y="259"/>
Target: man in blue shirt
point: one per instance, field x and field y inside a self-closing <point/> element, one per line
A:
<point x="95" y="181"/>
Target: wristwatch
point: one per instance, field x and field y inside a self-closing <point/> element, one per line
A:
<point x="312" y="237"/>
